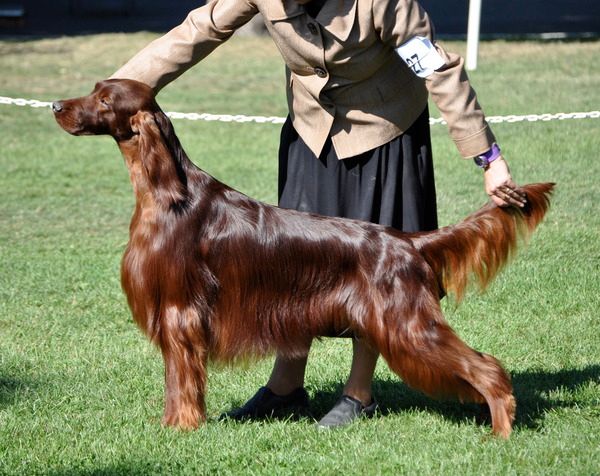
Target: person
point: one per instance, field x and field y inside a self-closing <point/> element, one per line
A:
<point x="356" y="142"/>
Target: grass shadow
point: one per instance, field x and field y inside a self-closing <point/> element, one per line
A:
<point x="532" y="390"/>
<point x="125" y="468"/>
<point x="394" y="397"/>
<point x="10" y="389"/>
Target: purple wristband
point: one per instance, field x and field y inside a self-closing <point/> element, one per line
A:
<point x="488" y="157"/>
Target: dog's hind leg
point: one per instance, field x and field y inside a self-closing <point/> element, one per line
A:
<point x="425" y="352"/>
<point x="183" y="346"/>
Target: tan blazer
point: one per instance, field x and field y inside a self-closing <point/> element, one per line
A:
<point x="345" y="78"/>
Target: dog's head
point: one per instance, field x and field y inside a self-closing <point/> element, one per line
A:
<point x="109" y="109"/>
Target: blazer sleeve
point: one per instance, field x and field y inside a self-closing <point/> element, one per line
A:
<point x="399" y="21"/>
<point x="169" y="56"/>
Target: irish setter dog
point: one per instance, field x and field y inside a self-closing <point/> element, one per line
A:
<point x="211" y="273"/>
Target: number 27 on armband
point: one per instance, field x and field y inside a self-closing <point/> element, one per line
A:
<point x="420" y="56"/>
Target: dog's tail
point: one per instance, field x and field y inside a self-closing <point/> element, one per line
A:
<point x="480" y="245"/>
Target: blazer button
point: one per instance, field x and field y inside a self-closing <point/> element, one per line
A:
<point x="320" y="72"/>
<point x="313" y="28"/>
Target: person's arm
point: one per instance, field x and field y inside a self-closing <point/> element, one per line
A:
<point x="169" y="56"/>
<point x="406" y="26"/>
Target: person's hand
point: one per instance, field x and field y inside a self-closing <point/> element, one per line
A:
<point x="500" y="187"/>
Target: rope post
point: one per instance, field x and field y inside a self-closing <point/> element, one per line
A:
<point x="473" y="34"/>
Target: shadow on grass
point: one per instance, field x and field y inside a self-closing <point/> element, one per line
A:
<point x="129" y="469"/>
<point x="10" y="389"/>
<point x="531" y="388"/>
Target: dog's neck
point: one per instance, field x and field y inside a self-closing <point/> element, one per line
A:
<point x="163" y="177"/>
<point x="137" y="176"/>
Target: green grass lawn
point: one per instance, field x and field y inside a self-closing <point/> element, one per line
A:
<point x="81" y="389"/>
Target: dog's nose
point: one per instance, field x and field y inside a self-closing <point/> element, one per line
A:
<point x="57" y="106"/>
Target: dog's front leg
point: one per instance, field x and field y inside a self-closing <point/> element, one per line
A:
<point x="184" y="352"/>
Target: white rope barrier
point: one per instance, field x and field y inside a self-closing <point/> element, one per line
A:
<point x="193" y="116"/>
<point x="24" y="102"/>
<point x="559" y="116"/>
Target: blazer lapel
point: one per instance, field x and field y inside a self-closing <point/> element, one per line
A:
<point x="283" y="9"/>
<point x="337" y="16"/>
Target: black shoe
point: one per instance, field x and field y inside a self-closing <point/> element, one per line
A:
<point x="265" y="404"/>
<point x="345" y="411"/>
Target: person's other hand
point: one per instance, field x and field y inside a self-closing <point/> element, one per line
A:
<point x="500" y="187"/>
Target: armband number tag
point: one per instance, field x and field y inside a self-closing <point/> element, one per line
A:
<point x="420" y="55"/>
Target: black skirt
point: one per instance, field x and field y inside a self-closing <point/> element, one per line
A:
<point x="392" y="184"/>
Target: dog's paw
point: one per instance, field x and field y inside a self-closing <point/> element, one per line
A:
<point x="184" y="419"/>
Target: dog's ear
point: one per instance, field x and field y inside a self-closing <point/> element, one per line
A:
<point x="138" y="119"/>
<point x="163" y="168"/>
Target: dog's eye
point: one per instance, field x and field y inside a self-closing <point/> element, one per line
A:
<point x="104" y="102"/>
